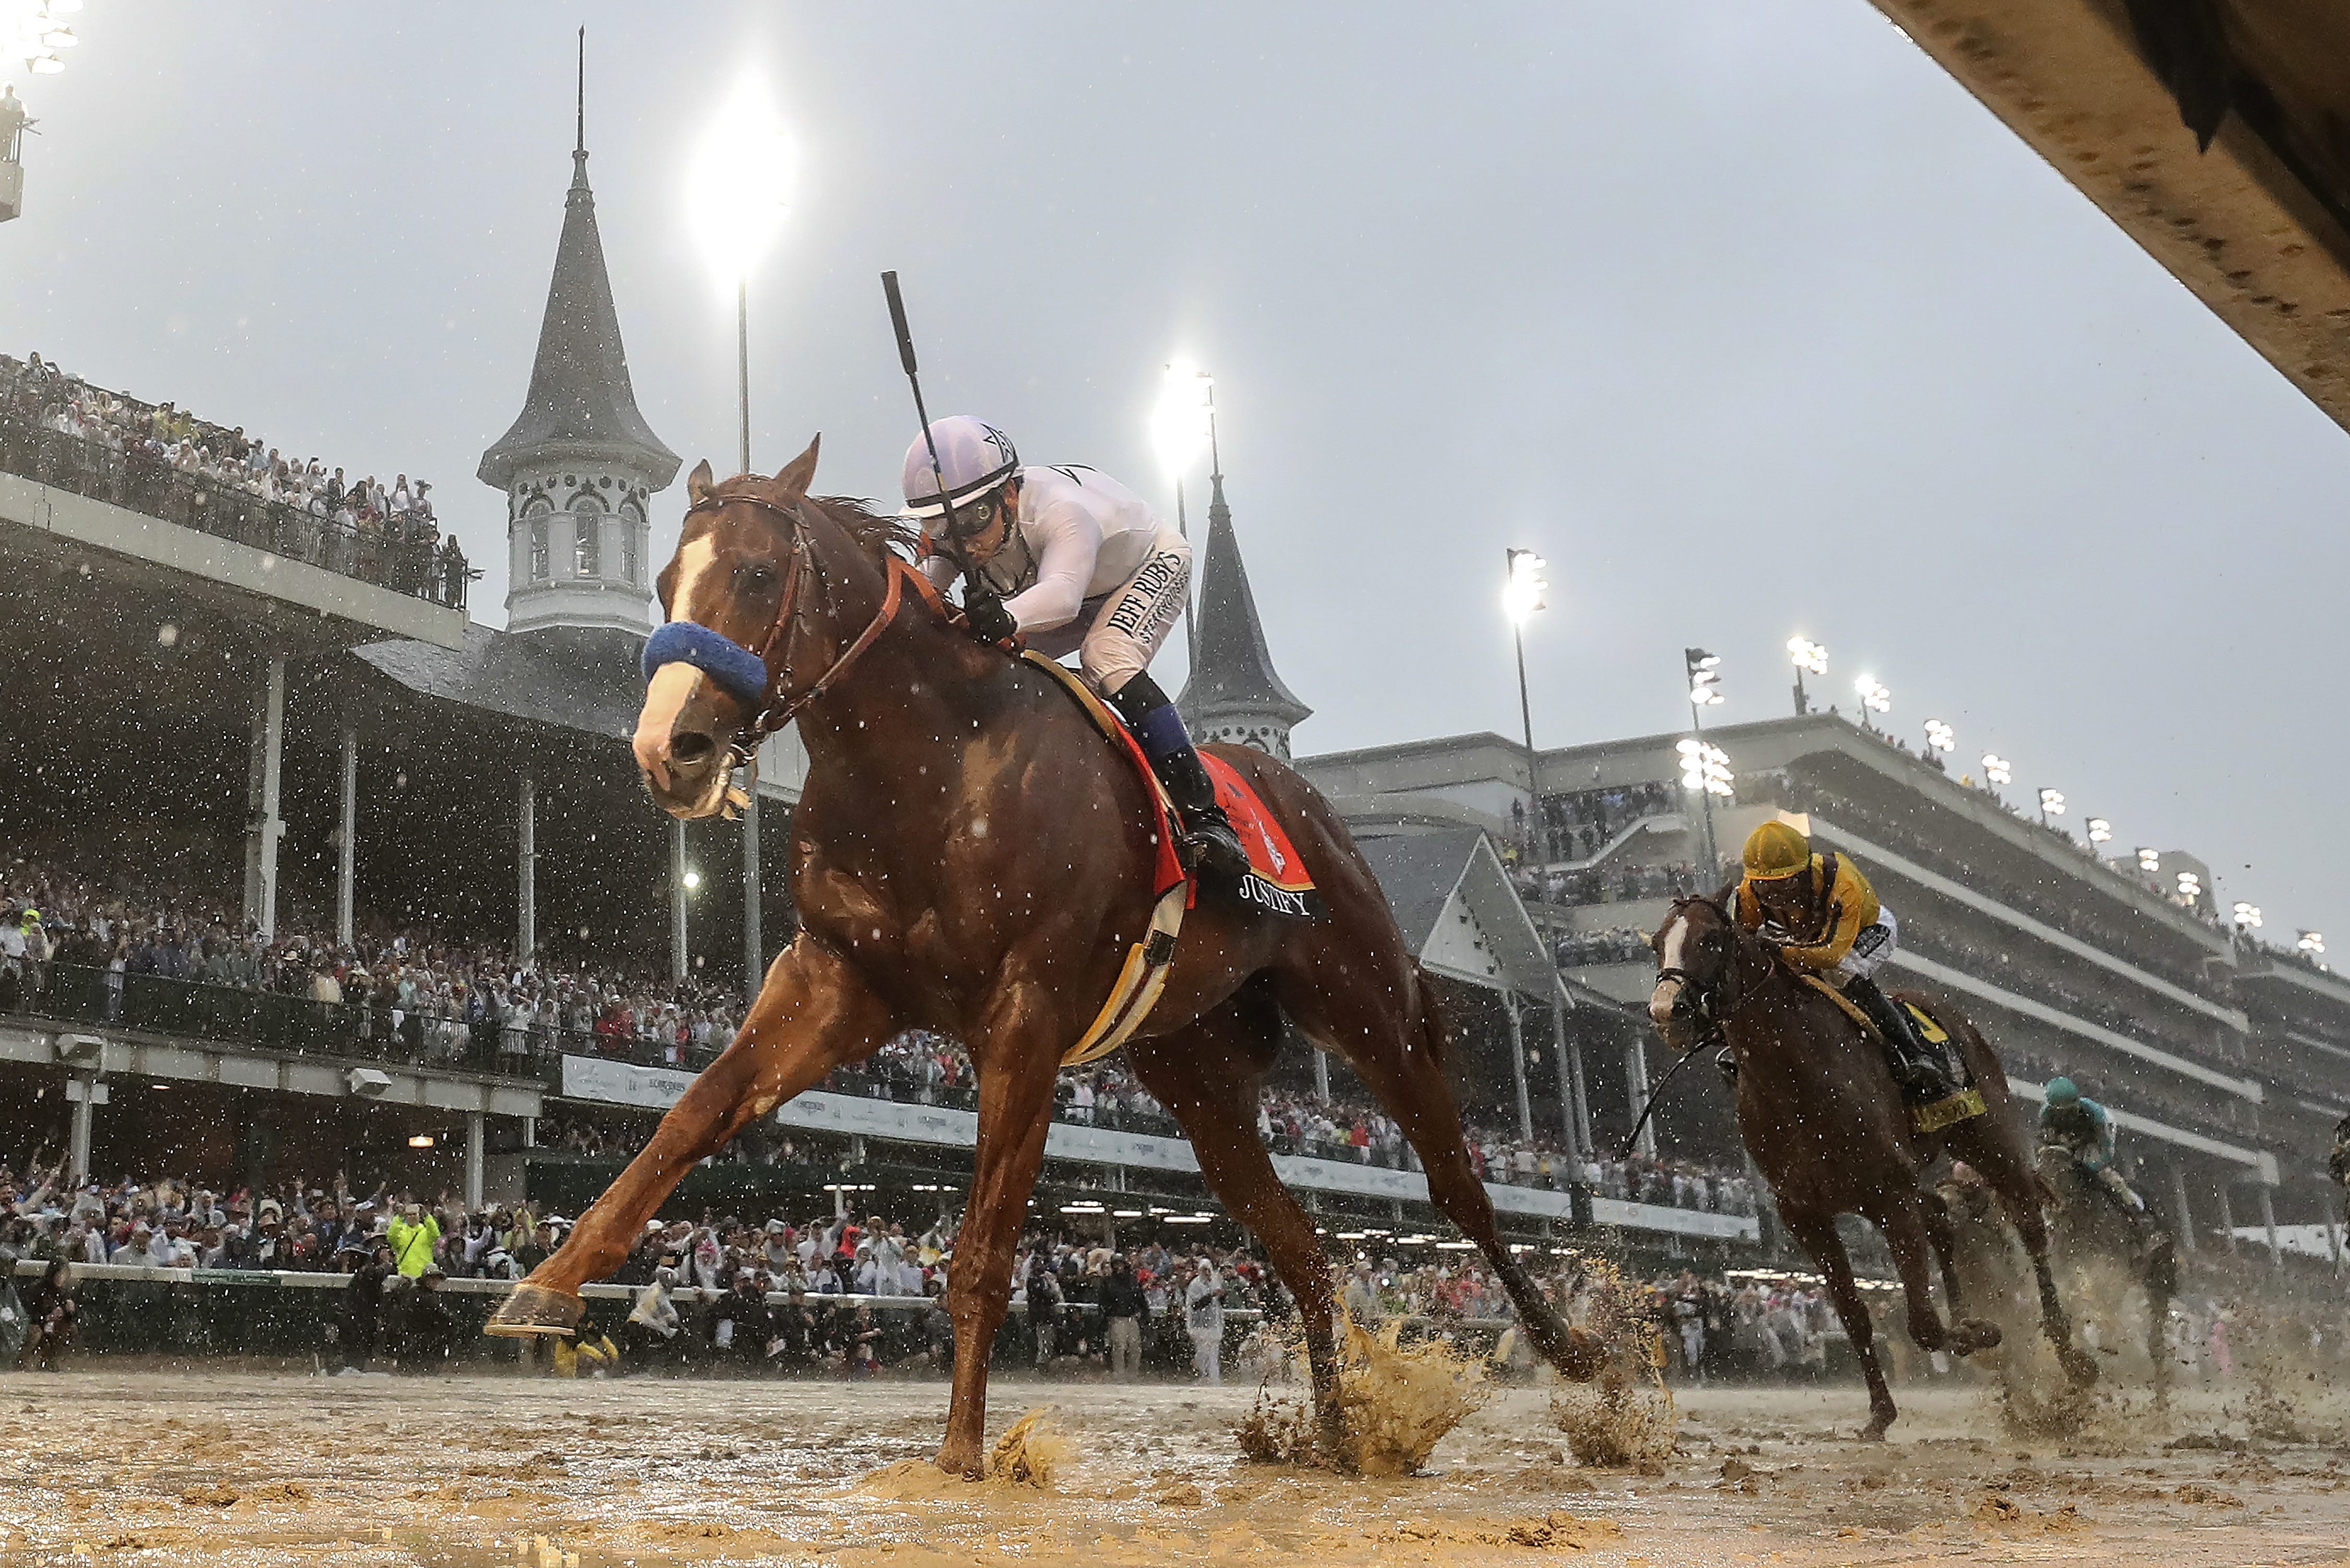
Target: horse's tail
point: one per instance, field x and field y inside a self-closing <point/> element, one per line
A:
<point x="1435" y="1027"/>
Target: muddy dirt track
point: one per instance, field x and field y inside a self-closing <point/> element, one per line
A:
<point x="168" y="1467"/>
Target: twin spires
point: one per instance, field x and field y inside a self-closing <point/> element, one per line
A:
<point x="580" y="464"/>
<point x="1235" y="694"/>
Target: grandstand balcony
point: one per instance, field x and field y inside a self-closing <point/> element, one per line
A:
<point x="70" y="496"/>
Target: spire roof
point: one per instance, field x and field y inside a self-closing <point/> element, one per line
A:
<point x="580" y="403"/>
<point x="1231" y="669"/>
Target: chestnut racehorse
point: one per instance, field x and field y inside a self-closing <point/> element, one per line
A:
<point x="1824" y="1120"/>
<point x="971" y="856"/>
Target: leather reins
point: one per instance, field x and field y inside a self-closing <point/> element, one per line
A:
<point x="774" y="710"/>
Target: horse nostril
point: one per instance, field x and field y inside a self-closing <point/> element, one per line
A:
<point x="691" y="748"/>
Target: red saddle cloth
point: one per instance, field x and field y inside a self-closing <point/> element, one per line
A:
<point x="1277" y="882"/>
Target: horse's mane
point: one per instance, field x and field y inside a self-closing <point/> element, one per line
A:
<point x="878" y="534"/>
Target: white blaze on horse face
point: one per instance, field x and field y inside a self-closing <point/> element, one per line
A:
<point x="695" y="558"/>
<point x="1669" y="989"/>
<point x="673" y="685"/>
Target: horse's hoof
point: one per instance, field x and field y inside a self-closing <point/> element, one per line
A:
<point x="962" y="1460"/>
<point x="2079" y="1365"/>
<point x="536" y="1310"/>
<point x="1973" y="1334"/>
<point x="1874" y="1431"/>
<point x="1582" y="1357"/>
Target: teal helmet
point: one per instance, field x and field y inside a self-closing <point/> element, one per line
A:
<point x="2063" y="1092"/>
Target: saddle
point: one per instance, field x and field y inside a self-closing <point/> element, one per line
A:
<point x="1277" y="882"/>
<point x="1964" y="1106"/>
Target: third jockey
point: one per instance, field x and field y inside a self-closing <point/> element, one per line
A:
<point x="1074" y="561"/>
<point x="1827" y="918"/>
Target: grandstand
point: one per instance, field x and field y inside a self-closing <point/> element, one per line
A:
<point x="333" y="878"/>
<point x="2227" y="1063"/>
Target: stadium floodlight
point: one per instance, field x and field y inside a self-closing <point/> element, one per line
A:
<point x="1940" y="736"/>
<point x="1179" y="425"/>
<point x="1874" y="694"/>
<point x="740" y="182"/>
<point x="1997" y="769"/>
<point x="44" y="64"/>
<point x="2247" y="915"/>
<point x="421" y="1140"/>
<point x="2052" y="803"/>
<point x="1704" y="676"/>
<point x="1810" y="658"/>
<point x="2100" y="830"/>
<point x="2313" y="943"/>
<point x="1705" y="766"/>
<point x="693" y="880"/>
<point x="1525" y="591"/>
<point x="2189" y="886"/>
<point x="2148" y="860"/>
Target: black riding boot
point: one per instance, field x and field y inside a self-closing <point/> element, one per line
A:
<point x="1923" y="1073"/>
<point x="1209" y="845"/>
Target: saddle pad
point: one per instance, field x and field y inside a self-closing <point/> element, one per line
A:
<point x="1144" y="973"/>
<point x="1167" y="870"/>
<point x="1277" y="881"/>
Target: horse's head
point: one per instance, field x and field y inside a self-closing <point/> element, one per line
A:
<point x="731" y="597"/>
<point x="1696" y="969"/>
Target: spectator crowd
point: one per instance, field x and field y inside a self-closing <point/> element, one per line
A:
<point x="160" y="459"/>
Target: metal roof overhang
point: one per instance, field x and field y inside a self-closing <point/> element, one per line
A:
<point x="2257" y="225"/>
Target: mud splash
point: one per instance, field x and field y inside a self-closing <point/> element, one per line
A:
<point x="1395" y="1403"/>
<point x="1029" y="1454"/>
<point x="1625" y="1416"/>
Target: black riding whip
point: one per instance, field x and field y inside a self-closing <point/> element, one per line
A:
<point x="971" y="583"/>
<point x="1656" y="1092"/>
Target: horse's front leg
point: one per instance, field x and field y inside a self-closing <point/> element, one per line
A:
<point x="813" y="1013"/>
<point x="1017" y="1049"/>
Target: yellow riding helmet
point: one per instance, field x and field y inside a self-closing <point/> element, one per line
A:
<point x="1775" y="850"/>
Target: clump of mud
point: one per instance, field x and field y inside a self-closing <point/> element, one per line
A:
<point x="1029" y="1453"/>
<point x="1395" y="1403"/>
<point x="1625" y="1417"/>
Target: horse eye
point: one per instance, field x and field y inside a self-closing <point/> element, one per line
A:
<point x="757" y="576"/>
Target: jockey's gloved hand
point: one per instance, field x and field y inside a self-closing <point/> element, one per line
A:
<point x="990" y="621"/>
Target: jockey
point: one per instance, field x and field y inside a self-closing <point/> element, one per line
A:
<point x="1075" y="562"/>
<point x="1827" y="918"/>
<point x="2081" y="1128"/>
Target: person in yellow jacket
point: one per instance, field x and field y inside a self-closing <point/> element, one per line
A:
<point x="1826" y="917"/>
<point x="414" y="1235"/>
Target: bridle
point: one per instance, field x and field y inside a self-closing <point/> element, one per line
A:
<point x="1715" y="1005"/>
<point x="774" y="708"/>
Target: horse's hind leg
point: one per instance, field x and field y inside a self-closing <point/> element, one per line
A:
<point x="1968" y="1334"/>
<point x="1817" y="1234"/>
<point x="1207" y="1075"/>
<point x="1393" y="1039"/>
<point x="2004" y="1165"/>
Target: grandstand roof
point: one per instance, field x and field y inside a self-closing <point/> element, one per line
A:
<point x="575" y="680"/>
<point x="2209" y="130"/>
<point x="580" y="403"/>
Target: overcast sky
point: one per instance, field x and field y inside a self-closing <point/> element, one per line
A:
<point x="1744" y="314"/>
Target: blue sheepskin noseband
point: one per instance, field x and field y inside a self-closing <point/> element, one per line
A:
<point x="740" y="672"/>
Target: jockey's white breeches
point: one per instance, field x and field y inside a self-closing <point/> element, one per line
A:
<point x="1117" y="634"/>
<point x="1870" y="949"/>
